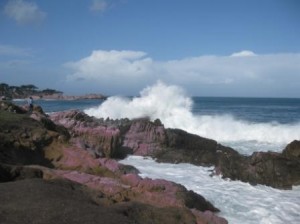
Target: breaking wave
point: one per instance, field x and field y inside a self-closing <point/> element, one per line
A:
<point x="173" y="107"/>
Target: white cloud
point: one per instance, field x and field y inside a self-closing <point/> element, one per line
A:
<point x="8" y="50"/>
<point x="243" y="54"/>
<point x="111" y="64"/>
<point x="99" y="5"/>
<point x="24" y="12"/>
<point x="134" y="69"/>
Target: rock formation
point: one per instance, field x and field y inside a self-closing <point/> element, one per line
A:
<point x="78" y="154"/>
<point x="146" y="138"/>
<point x="64" y="169"/>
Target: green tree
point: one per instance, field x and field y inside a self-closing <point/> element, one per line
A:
<point x="29" y="87"/>
<point x="51" y="91"/>
<point x="4" y="88"/>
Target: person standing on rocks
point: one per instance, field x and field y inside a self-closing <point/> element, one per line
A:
<point x="30" y="104"/>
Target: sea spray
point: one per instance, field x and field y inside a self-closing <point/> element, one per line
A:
<point x="173" y="107"/>
<point x="239" y="202"/>
<point x="158" y="101"/>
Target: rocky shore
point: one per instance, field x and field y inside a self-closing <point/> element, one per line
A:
<point x="56" y="172"/>
<point x="145" y="138"/>
<point x="64" y="166"/>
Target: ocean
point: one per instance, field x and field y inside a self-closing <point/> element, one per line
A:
<point x="245" y="124"/>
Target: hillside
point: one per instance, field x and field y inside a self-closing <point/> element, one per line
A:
<point x="25" y="91"/>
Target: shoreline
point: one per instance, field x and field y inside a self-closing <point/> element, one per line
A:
<point x="8" y="92"/>
<point x="62" y="97"/>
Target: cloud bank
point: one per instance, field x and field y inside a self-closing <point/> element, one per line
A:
<point x="244" y="72"/>
<point x="24" y="12"/>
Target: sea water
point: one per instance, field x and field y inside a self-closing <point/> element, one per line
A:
<point x="239" y="202"/>
<point x="245" y="124"/>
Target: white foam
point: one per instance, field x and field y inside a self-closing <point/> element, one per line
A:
<point x="174" y="108"/>
<point x="239" y="202"/>
<point x="19" y="100"/>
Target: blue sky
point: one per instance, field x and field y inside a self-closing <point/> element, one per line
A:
<point x="208" y="47"/>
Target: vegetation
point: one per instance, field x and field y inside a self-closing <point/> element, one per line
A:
<point x="24" y="91"/>
<point x="51" y="91"/>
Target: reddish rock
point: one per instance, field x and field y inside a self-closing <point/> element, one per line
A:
<point x="71" y="158"/>
<point x="114" y="139"/>
<point x="144" y="137"/>
<point x="99" y="139"/>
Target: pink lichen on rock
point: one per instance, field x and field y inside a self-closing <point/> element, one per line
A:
<point x="145" y="137"/>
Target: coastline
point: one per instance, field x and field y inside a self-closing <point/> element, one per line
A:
<point x="8" y="92"/>
<point x="66" y="151"/>
<point x="95" y="145"/>
<point x="63" y="97"/>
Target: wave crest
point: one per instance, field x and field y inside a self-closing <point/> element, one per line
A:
<point x="173" y="107"/>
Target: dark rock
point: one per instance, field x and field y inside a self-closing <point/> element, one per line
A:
<point x="141" y="213"/>
<point x="116" y="139"/>
<point x="23" y="139"/>
<point x="12" y="173"/>
<point x="183" y="147"/>
<point x="46" y="202"/>
<point x="193" y="200"/>
<point x="60" y="201"/>
<point x="10" y="107"/>
<point x="292" y="150"/>
<point x="34" y="139"/>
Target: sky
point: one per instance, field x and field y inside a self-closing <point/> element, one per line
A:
<point x="243" y="48"/>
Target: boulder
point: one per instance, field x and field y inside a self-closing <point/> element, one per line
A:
<point x="23" y="139"/>
<point x="292" y="150"/>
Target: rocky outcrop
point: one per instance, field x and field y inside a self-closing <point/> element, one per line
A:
<point x="68" y="202"/>
<point x="50" y="202"/>
<point x="82" y="150"/>
<point x="279" y="170"/>
<point x="96" y="136"/>
<point x="146" y="138"/>
<point x="51" y="169"/>
<point x="10" y="107"/>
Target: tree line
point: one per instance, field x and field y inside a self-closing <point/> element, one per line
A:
<point x="24" y="91"/>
